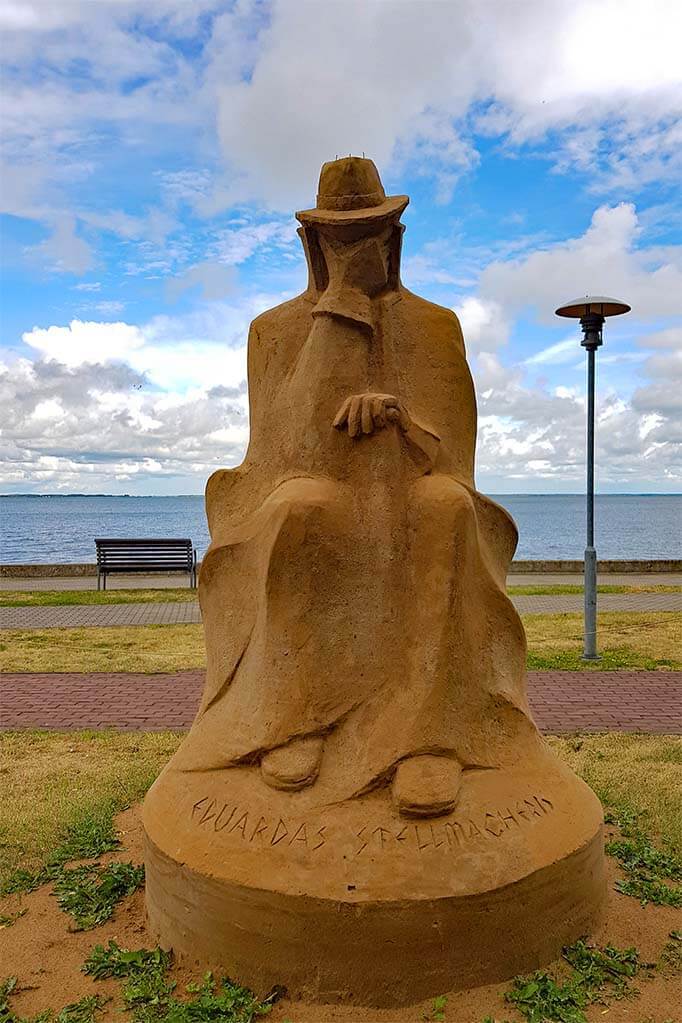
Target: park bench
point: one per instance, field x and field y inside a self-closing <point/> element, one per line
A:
<point x="150" y="555"/>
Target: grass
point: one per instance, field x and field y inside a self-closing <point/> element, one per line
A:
<point x="63" y="598"/>
<point x="89" y="833"/>
<point x="131" y="648"/>
<point x="639" y="774"/>
<point x="67" y="598"/>
<point x="559" y="589"/>
<point x="627" y="640"/>
<point x="60" y="792"/>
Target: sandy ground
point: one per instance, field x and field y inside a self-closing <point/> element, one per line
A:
<point x="46" y="956"/>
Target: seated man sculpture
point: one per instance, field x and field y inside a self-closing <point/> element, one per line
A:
<point x="361" y="648"/>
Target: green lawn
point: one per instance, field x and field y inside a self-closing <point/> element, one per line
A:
<point x="627" y="640"/>
<point x="561" y="589"/>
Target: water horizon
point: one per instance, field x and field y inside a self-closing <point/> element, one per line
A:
<point x="61" y="528"/>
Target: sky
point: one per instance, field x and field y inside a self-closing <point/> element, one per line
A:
<point x="154" y="152"/>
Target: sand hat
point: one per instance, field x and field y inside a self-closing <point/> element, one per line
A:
<point x="350" y="191"/>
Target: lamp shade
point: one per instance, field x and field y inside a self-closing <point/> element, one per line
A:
<point x="599" y="304"/>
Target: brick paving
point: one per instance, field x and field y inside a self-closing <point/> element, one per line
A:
<point x="562" y="701"/>
<point x="103" y="615"/>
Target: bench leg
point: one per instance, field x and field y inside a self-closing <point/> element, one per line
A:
<point x="98" y="578"/>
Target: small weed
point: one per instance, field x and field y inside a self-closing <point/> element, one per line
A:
<point x="670" y="959"/>
<point x="21" y="880"/>
<point x="90" y="893"/>
<point x="624" y="818"/>
<point x="438" y="1006"/>
<point x="148" y="994"/>
<point x="540" y="998"/>
<point x="601" y="967"/>
<point x="84" y="1011"/>
<point x="650" y="890"/>
<point x="647" y="868"/>
<point x="217" y="1003"/>
<point x="114" y="961"/>
<point x="640" y="854"/>
<point x="147" y="989"/>
<point x="7" y="919"/>
<point x="598" y="975"/>
<point x="7" y="986"/>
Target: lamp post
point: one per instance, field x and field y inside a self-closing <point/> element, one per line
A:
<point x="591" y="311"/>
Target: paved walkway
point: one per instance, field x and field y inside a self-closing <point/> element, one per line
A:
<point x="562" y="701"/>
<point x="97" y="615"/>
<point x="102" y="615"/>
<point x="163" y="582"/>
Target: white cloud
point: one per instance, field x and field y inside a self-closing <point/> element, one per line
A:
<point x="384" y="78"/>
<point x="562" y="351"/>
<point x="64" y="250"/>
<point x="215" y="281"/>
<point x="484" y="324"/>
<point x="85" y="342"/>
<point x="605" y="260"/>
<point x="408" y="83"/>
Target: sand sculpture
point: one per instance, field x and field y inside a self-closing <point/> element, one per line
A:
<point x="363" y="809"/>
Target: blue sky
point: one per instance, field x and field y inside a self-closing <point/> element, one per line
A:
<point x="154" y="152"/>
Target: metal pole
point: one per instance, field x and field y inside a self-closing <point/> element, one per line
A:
<point x="590" y="579"/>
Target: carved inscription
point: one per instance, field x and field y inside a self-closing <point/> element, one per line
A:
<point x="420" y="837"/>
<point x="242" y="823"/>
<point x="454" y="834"/>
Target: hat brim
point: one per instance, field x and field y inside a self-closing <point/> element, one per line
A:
<point x="391" y="205"/>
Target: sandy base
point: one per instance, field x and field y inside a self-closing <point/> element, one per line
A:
<point x="47" y="958"/>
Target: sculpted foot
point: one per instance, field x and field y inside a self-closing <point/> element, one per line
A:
<point x="293" y="766"/>
<point x="426" y="786"/>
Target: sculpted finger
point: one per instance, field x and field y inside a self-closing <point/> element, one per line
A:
<point x="367" y="420"/>
<point x="342" y="414"/>
<point x="403" y="418"/>
<point x="379" y="413"/>
<point x="354" y="416"/>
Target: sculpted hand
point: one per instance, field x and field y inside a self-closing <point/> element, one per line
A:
<point x="364" y="413"/>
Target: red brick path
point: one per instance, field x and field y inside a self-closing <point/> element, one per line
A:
<point x="562" y="701"/>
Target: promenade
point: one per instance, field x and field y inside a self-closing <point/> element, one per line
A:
<point x="561" y="701"/>
<point x="166" y="613"/>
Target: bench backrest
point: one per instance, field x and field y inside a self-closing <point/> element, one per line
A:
<point x="144" y="555"/>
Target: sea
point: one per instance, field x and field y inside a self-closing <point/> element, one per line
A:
<point x="62" y="528"/>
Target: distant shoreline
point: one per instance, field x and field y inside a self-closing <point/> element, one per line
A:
<point x="493" y="493"/>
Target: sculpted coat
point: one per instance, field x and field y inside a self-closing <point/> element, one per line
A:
<point x="353" y="595"/>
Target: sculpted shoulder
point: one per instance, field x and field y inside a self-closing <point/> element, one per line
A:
<point x="438" y="320"/>
<point x="284" y="318"/>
